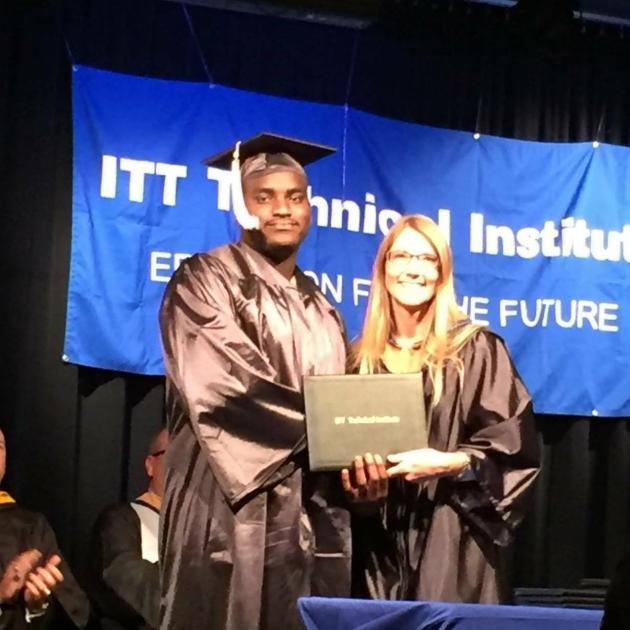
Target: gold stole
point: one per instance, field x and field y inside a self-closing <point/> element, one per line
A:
<point x="5" y="497"/>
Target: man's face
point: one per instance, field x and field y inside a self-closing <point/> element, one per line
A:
<point x="154" y="463"/>
<point x="3" y="456"/>
<point x="280" y="202"/>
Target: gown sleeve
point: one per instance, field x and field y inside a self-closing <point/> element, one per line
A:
<point x="499" y="436"/>
<point x="134" y="580"/>
<point x="246" y="422"/>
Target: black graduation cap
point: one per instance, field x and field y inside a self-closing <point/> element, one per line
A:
<point x="302" y="151"/>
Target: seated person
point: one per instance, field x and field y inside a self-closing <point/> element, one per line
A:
<point x="37" y="589"/>
<point x="124" y="573"/>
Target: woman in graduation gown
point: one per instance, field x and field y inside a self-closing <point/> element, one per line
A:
<point x="451" y="507"/>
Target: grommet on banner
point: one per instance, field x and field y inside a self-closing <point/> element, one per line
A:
<point x="595" y="144"/>
<point x="65" y="358"/>
<point x="595" y="412"/>
<point x="476" y="135"/>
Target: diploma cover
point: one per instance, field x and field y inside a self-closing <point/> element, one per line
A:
<point x="353" y="414"/>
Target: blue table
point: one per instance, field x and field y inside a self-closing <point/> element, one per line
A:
<point x="321" y="613"/>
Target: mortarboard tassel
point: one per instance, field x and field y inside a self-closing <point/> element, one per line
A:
<point x="243" y="216"/>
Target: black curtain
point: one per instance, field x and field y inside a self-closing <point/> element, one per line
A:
<point x="76" y="435"/>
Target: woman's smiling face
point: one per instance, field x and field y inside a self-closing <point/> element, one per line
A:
<point x="411" y="269"/>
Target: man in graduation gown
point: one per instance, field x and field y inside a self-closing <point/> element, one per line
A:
<point x="37" y="588"/>
<point x="124" y="571"/>
<point x="246" y="529"/>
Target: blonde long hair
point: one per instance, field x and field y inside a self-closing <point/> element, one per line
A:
<point x="449" y="327"/>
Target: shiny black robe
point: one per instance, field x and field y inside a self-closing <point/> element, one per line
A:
<point x="21" y="530"/>
<point x="441" y="540"/>
<point x="245" y="528"/>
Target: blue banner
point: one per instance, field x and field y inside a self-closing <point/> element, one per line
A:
<point x="540" y="232"/>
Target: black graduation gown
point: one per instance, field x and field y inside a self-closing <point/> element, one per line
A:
<point x="441" y="540"/>
<point x="21" y="530"/>
<point x="124" y="587"/>
<point x="245" y="529"/>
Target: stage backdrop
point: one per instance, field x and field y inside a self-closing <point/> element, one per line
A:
<point x="540" y="231"/>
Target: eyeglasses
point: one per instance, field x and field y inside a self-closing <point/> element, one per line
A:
<point x="158" y="453"/>
<point x="399" y="261"/>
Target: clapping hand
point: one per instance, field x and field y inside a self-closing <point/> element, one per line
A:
<point x="14" y="577"/>
<point x="40" y="582"/>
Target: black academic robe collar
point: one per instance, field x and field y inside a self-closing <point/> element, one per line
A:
<point x="261" y="266"/>
<point x="139" y="501"/>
